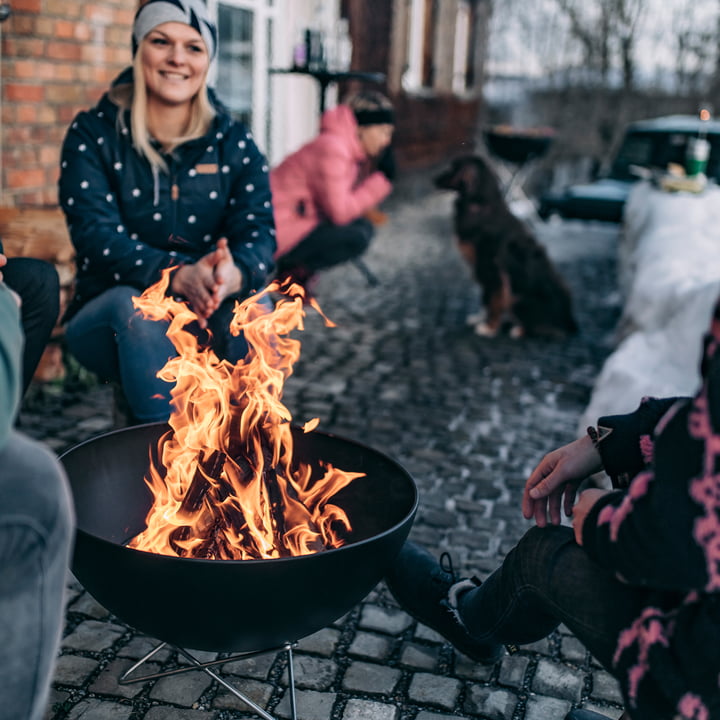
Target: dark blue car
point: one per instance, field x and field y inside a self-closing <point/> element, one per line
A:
<point x="648" y="145"/>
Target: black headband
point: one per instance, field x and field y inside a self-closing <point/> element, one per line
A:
<point x="381" y="116"/>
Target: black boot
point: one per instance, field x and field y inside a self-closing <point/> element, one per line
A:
<point x="429" y="592"/>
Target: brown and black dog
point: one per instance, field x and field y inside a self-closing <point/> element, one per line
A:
<point x="519" y="283"/>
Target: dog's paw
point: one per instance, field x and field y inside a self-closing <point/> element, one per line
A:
<point x="475" y="318"/>
<point x="485" y="330"/>
<point x="517" y="332"/>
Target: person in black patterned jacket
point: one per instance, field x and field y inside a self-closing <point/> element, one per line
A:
<point x="159" y="175"/>
<point x="636" y="578"/>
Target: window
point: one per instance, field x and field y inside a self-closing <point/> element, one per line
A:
<point x="234" y="83"/>
<point x="413" y="75"/>
<point x="440" y="45"/>
<point x="245" y="47"/>
<point x="462" y="58"/>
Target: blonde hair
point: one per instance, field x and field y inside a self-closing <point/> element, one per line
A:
<point x="134" y="97"/>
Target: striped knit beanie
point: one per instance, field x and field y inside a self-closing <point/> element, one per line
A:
<point x="189" y="12"/>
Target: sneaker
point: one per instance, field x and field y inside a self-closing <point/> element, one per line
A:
<point x="429" y="591"/>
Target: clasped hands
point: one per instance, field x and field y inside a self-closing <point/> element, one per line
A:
<point x="209" y="281"/>
<point x="553" y="484"/>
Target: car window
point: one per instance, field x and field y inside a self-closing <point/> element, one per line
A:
<point x="636" y="149"/>
<point x="658" y="150"/>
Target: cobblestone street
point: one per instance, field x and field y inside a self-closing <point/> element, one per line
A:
<point x="468" y="417"/>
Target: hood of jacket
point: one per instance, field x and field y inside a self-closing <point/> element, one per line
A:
<point x="341" y="121"/>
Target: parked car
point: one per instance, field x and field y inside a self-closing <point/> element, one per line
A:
<point x="648" y="146"/>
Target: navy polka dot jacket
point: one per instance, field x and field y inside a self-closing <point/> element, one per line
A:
<point x="128" y="222"/>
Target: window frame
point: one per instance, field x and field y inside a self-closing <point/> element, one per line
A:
<point x="264" y="43"/>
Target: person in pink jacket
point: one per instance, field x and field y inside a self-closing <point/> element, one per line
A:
<point x="322" y="191"/>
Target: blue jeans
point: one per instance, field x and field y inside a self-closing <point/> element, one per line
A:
<point x="545" y="580"/>
<point x="36" y="532"/>
<point x="109" y="337"/>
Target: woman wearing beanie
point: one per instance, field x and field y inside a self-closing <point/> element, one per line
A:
<point x="322" y="191"/>
<point x="159" y="175"/>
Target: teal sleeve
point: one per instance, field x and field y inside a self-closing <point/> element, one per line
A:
<point x="11" y="345"/>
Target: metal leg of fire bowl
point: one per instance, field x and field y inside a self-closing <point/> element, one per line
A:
<point x="125" y="678"/>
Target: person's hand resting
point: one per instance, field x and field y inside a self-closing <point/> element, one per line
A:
<point x="206" y="283"/>
<point x="553" y="483"/>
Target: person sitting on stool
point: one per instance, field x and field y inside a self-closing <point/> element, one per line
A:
<point x="323" y="191"/>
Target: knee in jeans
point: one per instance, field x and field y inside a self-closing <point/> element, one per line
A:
<point x="551" y="536"/>
<point x="34" y="485"/>
<point x="538" y="549"/>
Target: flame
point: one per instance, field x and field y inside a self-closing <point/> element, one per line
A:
<point x="224" y="484"/>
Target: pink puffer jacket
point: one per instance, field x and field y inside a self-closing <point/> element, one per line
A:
<point x="323" y="181"/>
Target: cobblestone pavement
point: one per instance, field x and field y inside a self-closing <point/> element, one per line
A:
<point x="467" y="416"/>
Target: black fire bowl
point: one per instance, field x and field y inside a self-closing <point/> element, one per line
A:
<point x="230" y="605"/>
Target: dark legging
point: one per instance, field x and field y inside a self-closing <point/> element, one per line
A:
<point x="328" y="245"/>
<point x="37" y="284"/>
<point x="545" y="580"/>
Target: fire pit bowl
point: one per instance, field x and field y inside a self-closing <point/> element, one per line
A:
<point x="518" y="145"/>
<point x="230" y="605"/>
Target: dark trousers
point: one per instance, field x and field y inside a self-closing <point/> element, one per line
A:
<point x="37" y="284"/>
<point x="545" y="580"/>
<point x="328" y="245"/>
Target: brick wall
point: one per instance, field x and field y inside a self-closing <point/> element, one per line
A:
<point x="58" y="56"/>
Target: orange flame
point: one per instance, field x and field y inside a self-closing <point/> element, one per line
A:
<point x="225" y="485"/>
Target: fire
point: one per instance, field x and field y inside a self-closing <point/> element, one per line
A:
<point x="225" y="485"/>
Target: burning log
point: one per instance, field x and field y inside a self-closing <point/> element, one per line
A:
<point x="231" y="434"/>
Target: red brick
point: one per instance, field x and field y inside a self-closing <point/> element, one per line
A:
<point x="64" y="29"/>
<point x="24" y="178"/>
<point x="7" y="114"/>
<point x="23" y="47"/>
<point x="15" y="135"/>
<point x="22" y="24"/>
<point x="47" y="114"/>
<point x="29" y="6"/>
<point x="27" y="68"/>
<point x="63" y="8"/>
<point x="34" y="197"/>
<point x="15" y="92"/>
<point x="27" y="113"/>
<point x="45" y="27"/>
<point x="49" y="155"/>
<point x="64" y="51"/>
<point x="65" y="93"/>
